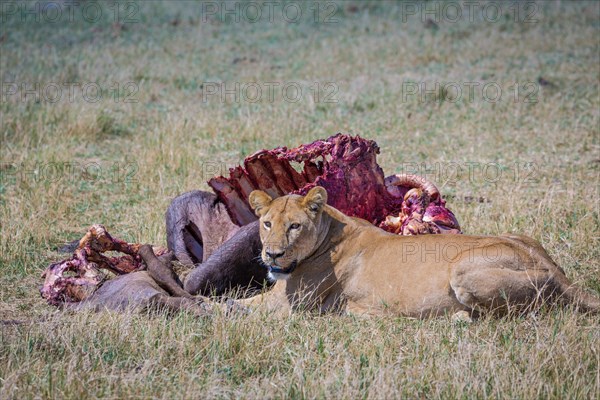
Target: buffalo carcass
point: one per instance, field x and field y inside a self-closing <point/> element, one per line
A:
<point x="217" y="235"/>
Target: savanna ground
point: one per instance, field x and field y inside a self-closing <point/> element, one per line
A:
<point x="533" y="155"/>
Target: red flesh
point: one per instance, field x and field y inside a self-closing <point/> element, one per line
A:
<point x="74" y="279"/>
<point x="347" y="167"/>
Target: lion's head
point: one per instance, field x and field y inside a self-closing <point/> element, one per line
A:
<point x="289" y="228"/>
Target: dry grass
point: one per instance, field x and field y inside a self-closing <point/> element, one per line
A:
<point x="171" y="141"/>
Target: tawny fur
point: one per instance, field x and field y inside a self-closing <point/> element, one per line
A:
<point x="346" y="264"/>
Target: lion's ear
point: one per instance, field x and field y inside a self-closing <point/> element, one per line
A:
<point x="259" y="201"/>
<point x="315" y="199"/>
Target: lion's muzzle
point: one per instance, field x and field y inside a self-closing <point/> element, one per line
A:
<point x="288" y="270"/>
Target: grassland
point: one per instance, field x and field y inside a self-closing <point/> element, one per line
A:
<point x="532" y="155"/>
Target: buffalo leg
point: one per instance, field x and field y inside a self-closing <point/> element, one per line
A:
<point x="234" y="265"/>
<point x="177" y="304"/>
<point x="162" y="273"/>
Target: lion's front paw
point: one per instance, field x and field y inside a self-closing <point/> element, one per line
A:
<point x="462" y="316"/>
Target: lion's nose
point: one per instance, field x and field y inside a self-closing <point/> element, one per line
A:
<point x="274" y="256"/>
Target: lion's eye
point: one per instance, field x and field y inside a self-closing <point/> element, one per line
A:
<point x="267" y="224"/>
<point x="294" y="226"/>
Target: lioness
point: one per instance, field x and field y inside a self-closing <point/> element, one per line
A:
<point x="324" y="260"/>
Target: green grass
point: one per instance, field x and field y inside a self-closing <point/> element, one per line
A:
<point x="120" y="163"/>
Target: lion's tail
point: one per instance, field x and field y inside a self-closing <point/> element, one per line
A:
<point x="571" y="294"/>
